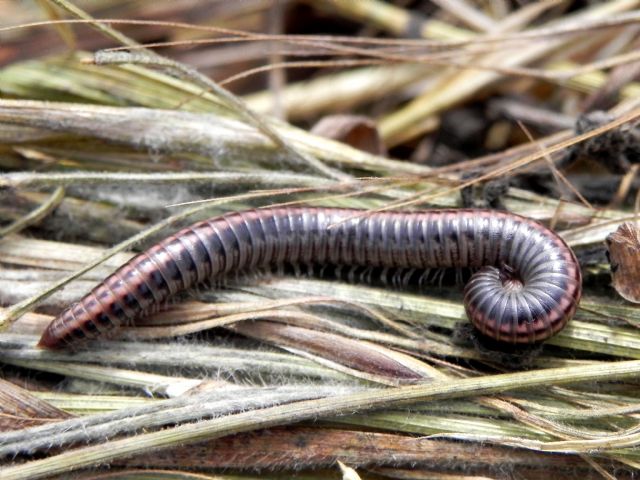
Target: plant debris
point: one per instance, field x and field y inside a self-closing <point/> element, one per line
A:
<point x="123" y="121"/>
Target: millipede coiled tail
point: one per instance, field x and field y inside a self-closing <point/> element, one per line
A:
<point x="526" y="291"/>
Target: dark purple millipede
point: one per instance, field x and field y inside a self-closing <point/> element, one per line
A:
<point x="526" y="289"/>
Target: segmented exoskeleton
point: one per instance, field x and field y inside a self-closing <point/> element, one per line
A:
<point x="527" y="289"/>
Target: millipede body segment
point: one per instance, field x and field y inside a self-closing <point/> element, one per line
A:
<point x="527" y="286"/>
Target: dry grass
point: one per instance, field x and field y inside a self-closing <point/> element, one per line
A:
<point x="104" y="153"/>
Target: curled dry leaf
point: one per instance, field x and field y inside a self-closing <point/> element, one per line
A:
<point x="356" y="131"/>
<point x="360" y="358"/>
<point x="313" y="447"/>
<point x="624" y="257"/>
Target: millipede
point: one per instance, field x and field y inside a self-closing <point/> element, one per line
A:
<point x="526" y="285"/>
